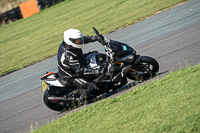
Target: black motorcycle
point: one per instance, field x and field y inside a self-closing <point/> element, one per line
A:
<point x="123" y="63"/>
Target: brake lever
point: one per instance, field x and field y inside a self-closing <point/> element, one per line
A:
<point x="95" y="31"/>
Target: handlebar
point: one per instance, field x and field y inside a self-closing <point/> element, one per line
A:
<point x="109" y="52"/>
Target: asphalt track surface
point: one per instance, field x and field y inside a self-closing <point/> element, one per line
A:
<point x="171" y="37"/>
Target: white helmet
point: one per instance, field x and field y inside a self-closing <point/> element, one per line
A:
<point x="74" y="38"/>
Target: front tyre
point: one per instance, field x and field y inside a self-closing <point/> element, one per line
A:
<point x="53" y="106"/>
<point x="145" y="69"/>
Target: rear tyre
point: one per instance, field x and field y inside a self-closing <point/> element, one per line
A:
<point x="147" y="68"/>
<point x="53" y="106"/>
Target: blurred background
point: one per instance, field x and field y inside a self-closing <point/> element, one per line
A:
<point x="12" y="10"/>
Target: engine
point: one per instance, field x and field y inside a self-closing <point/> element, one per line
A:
<point x="95" y="60"/>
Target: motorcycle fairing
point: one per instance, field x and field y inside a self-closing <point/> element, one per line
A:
<point x="120" y="76"/>
<point x="55" y="83"/>
<point x="50" y="78"/>
<point x="128" y="58"/>
<point x="57" y="90"/>
<point x="121" y="48"/>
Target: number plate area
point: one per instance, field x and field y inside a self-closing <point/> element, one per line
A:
<point x="44" y="86"/>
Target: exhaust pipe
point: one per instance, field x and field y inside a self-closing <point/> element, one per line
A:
<point x="61" y="99"/>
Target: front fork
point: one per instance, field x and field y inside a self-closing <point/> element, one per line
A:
<point x="112" y="67"/>
<point x="136" y="60"/>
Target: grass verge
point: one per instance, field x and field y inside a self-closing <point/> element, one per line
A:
<point x="170" y="104"/>
<point x="36" y="38"/>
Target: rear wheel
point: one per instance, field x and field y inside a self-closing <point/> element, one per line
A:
<point x="145" y="69"/>
<point x="53" y="106"/>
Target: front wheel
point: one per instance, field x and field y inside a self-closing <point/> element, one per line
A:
<point x="145" y="69"/>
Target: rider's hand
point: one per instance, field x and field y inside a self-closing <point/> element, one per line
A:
<point x="100" y="39"/>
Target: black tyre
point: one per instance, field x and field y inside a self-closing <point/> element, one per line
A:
<point x="145" y="69"/>
<point x="53" y="106"/>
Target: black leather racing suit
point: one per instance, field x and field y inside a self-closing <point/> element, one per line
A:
<point x="71" y="62"/>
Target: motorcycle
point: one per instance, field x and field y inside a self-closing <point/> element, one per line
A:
<point x="123" y="63"/>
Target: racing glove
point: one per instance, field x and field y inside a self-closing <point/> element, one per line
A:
<point x="100" y="39"/>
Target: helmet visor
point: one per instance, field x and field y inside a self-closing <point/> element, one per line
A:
<point x="78" y="41"/>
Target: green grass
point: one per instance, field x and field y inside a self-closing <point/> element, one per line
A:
<point x="36" y="38"/>
<point x="167" y="105"/>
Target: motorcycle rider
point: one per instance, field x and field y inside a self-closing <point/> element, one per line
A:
<point x="71" y="64"/>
